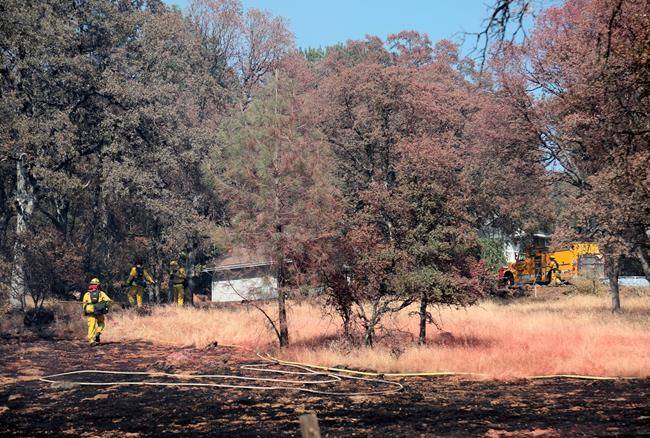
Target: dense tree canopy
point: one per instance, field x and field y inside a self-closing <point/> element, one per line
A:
<point x="370" y="170"/>
<point x="109" y="109"/>
<point x="396" y="114"/>
<point x="580" y="82"/>
<point x="273" y="169"/>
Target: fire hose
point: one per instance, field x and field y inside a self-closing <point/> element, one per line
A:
<point x="449" y="373"/>
<point x="321" y="375"/>
<point x="320" y="378"/>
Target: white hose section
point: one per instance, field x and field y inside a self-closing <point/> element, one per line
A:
<point x="331" y="377"/>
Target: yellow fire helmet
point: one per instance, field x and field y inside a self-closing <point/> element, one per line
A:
<point x="95" y="281"/>
<point x="173" y="263"/>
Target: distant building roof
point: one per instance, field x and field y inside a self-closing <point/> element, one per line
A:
<point x="237" y="258"/>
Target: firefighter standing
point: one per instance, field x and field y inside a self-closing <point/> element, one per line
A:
<point x="177" y="278"/>
<point x="555" y="278"/>
<point x="138" y="280"/>
<point x="95" y="303"/>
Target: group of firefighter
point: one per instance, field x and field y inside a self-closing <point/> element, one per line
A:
<point x="96" y="301"/>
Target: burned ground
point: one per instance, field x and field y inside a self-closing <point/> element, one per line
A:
<point x="440" y="406"/>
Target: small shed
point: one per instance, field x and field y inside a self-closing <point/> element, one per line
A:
<point x="242" y="274"/>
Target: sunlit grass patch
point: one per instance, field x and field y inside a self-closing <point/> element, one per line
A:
<point x="576" y="335"/>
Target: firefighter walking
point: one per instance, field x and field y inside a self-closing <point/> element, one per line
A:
<point x="177" y="280"/>
<point x="95" y="305"/>
<point x="138" y="280"/>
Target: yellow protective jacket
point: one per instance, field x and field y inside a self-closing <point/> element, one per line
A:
<point x="88" y="305"/>
<point x="178" y="276"/>
<point x="136" y="280"/>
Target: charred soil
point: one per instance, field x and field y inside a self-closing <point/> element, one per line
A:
<point x="437" y="406"/>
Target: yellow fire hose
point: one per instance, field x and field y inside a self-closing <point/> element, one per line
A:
<point x="446" y="373"/>
<point x="330" y="375"/>
<point x="276" y="383"/>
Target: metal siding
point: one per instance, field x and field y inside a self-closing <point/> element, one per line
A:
<point x="636" y="281"/>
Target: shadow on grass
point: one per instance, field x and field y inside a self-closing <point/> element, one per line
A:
<point x="448" y="340"/>
<point x="331" y="340"/>
<point x="593" y="311"/>
<point x="443" y="339"/>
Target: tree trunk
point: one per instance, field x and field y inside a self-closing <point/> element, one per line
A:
<point x="97" y="233"/>
<point x="25" y="201"/>
<point x="643" y="258"/>
<point x="369" y="336"/>
<point x="345" y="316"/>
<point x="424" y="302"/>
<point x="278" y="250"/>
<point x="283" y="332"/>
<point x="346" y="327"/>
<point x="613" y="267"/>
<point x="191" y="276"/>
<point x="5" y="217"/>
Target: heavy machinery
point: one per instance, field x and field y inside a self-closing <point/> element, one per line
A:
<point x="542" y="265"/>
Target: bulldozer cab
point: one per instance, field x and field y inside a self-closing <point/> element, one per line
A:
<point x="539" y="243"/>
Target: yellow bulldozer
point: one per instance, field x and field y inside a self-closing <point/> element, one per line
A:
<point x="542" y="265"/>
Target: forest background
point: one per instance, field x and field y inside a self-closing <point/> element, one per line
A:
<point x="380" y="169"/>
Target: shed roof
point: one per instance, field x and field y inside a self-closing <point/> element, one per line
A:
<point x="237" y="258"/>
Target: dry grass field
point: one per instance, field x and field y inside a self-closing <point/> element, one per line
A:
<point x="554" y="334"/>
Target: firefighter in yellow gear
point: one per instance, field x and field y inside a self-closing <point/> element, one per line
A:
<point x="95" y="303"/>
<point x="177" y="278"/>
<point x="137" y="281"/>
<point x="555" y="277"/>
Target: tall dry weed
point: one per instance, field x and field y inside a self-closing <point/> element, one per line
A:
<point x="577" y="335"/>
<point x="589" y="285"/>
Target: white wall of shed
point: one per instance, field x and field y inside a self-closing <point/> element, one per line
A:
<point x="256" y="288"/>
